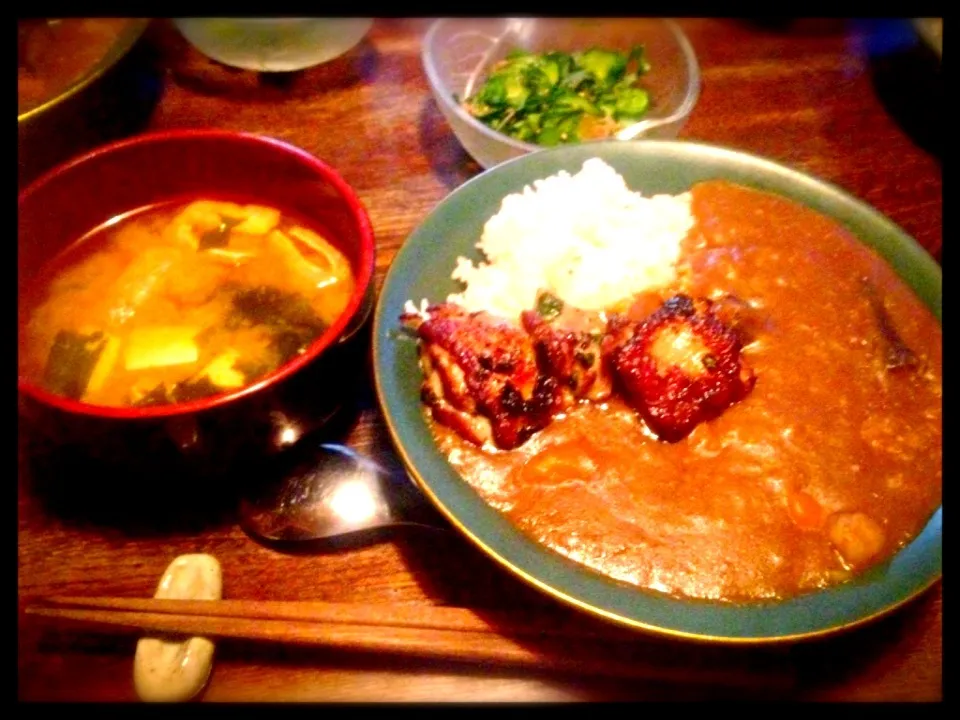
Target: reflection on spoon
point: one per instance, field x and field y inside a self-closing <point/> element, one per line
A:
<point x="322" y="492"/>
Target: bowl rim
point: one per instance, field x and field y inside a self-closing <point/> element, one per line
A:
<point x="910" y="573"/>
<point x="348" y="32"/>
<point x="122" y="44"/>
<point x="282" y="20"/>
<point x="630" y="132"/>
<point x="363" y="271"/>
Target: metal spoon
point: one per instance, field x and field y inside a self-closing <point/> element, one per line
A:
<point x="324" y="493"/>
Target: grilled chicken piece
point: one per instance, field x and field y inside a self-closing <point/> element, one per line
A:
<point x="679" y="367"/>
<point x="567" y="343"/>
<point x="443" y="379"/>
<point x="481" y="376"/>
<point x="620" y="330"/>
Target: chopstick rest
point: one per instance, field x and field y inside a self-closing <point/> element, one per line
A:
<point x="176" y="668"/>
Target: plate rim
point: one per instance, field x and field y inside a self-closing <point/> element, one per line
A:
<point x="122" y="44"/>
<point x="914" y="255"/>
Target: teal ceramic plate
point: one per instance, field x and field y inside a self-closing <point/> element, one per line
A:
<point x="422" y="270"/>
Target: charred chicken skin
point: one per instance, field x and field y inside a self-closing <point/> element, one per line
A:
<point x="679" y="367"/>
<point x="568" y="346"/>
<point x="481" y="376"/>
<point x="491" y="381"/>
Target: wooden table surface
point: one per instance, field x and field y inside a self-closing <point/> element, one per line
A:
<point x="826" y="97"/>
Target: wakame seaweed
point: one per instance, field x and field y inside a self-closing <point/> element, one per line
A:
<point x="157" y="396"/>
<point x="289" y="316"/>
<point x="71" y="362"/>
<point x="183" y="391"/>
<point x="187" y="390"/>
<point x="220" y="235"/>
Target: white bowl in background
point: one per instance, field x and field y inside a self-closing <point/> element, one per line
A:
<point x="273" y="44"/>
<point x="458" y="52"/>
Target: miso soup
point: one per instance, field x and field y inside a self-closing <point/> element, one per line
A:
<point x="179" y="301"/>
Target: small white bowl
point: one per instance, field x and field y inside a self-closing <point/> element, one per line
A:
<point x="273" y="44"/>
<point x="457" y="53"/>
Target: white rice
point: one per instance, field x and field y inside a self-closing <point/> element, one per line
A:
<point x="586" y="237"/>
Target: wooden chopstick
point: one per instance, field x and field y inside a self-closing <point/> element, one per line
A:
<point x="439" y="633"/>
<point x="388" y="615"/>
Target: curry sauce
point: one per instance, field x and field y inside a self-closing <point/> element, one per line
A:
<point x="827" y="468"/>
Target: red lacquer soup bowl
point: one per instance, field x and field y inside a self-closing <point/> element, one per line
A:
<point x="65" y="204"/>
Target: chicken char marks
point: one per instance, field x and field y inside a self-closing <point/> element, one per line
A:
<point x="481" y="376"/>
<point x="491" y="381"/>
<point x="680" y="367"/>
<point x="571" y="356"/>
